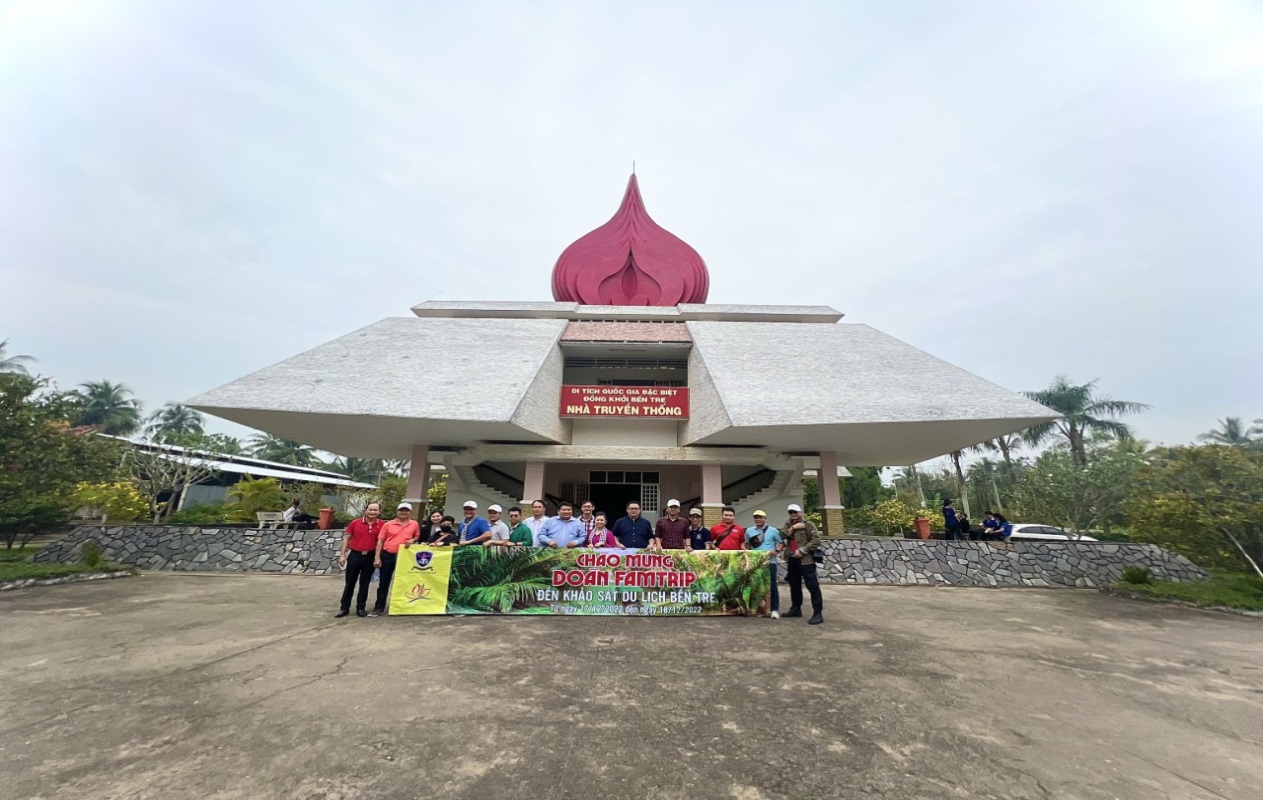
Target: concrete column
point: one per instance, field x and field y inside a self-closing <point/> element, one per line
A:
<point x="532" y="485"/>
<point x="712" y="494"/>
<point x="418" y="480"/>
<point x="830" y="494"/>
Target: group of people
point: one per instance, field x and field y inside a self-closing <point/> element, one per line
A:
<point x="371" y="543"/>
<point x="995" y="528"/>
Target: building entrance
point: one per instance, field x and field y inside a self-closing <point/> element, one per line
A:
<point x="612" y="498"/>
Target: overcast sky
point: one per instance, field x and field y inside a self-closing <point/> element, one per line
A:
<point x="192" y="191"/>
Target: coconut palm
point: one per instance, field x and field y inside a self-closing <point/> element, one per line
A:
<point x="174" y="420"/>
<point x="16" y="364"/>
<point x="283" y="451"/>
<point x="364" y="470"/>
<point x="1232" y="432"/>
<point x="1083" y="410"/>
<point x="1004" y="445"/>
<point x="109" y="406"/>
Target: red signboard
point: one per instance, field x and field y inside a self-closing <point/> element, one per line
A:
<point x="638" y="402"/>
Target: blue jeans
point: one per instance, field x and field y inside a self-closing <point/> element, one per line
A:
<point x="776" y="592"/>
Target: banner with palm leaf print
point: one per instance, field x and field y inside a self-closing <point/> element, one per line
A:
<point x="606" y="582"/>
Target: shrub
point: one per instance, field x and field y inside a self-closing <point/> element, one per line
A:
<point x="117" y="502"/>
<point x="1136" y="575"/>
<point x="250" y="496"/>
<point x="90" y="555"/>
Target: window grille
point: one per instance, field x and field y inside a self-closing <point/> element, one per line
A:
<point x="649" y="497"/>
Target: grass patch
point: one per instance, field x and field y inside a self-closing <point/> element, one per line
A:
<point x="16" y="565"/>
<point x="1230" y="589"/>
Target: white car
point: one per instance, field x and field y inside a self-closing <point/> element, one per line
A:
<point x="1031" y="532"/>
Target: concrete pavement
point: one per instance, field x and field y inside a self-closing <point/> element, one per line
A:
<point x="243" y="686"/>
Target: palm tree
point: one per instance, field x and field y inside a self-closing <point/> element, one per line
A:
<point x="174" y="420"/>
<point x="283" y="451"/>
<point x="1232" y="432"/>
<point x="109" y="406"/>
<point x="1005" y="445"/>
<point x="364" y="470"/>
<point x="1083" y="410"/>
<point x="15" y="364"/>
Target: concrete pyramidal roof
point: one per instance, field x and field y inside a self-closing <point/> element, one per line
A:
<point x="791" y="379"/>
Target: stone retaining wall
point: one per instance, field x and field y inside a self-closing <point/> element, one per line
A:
<point x="932" y="562"/>
<point x="204" y="549"/>
<point x="880" y="561"/>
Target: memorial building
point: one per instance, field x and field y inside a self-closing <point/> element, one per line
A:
<point x="628" y="386"/>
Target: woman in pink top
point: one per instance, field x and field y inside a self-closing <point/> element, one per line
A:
<point x="600" y="537"/>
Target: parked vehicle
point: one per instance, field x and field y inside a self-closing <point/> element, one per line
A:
<point x="1032" y="532"/>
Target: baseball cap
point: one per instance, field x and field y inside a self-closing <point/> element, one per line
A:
<point x="675" y="503"/>
<point x="759" y="513"/>
<point x="496" y="508"/>
<point x="404" y="505"/>
<point x="794" y="507"/>
<point x="696" y="512"/>
<point x="471" y="504"/>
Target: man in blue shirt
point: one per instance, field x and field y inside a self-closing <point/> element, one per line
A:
<point x="633" y="530"/>
<point x="762" y="536"/>
<point x="473" y="528"/>
<point x="563" y="530"/>
<point x="951" y="525"/>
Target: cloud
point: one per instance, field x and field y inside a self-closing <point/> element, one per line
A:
<point x="190" y="192"/>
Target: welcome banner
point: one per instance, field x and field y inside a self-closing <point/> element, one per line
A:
<point x="607" y="582"/>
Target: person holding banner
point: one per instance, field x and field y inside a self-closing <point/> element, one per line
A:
<point x="499" y="531"/>
<point x="728" y="535"/>
<point x="536" y="520"/>
<point x="804" y="539"/>
<point x="474" y="529"/>
<point x="764" y="537"/>
<point x="698" y="534"/>
<point x="446" y="534"/>
<point x="600" y="535"/>
<point x="633" y="530"/>
<point x="521" y="535"/>
<point x="399" y="531"/>
<point x="562" y="530"/>
<point x="669" y="531"/>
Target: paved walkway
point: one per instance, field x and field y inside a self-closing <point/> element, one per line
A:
<point x="175" y="686"/>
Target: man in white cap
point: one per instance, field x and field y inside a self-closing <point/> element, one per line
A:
<point x="761" y="536"/>
<point x="498" y="530"/>
<point x="671" y="531"/>
<point x="473" y="528"/>
<point x="803" y="539"/>
<point x="399" y="531"/>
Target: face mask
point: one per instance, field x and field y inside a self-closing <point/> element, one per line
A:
<point x="447" y="526"/>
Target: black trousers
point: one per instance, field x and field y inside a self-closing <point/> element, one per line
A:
<point x="359" y="567"/>
<point x="798" y="573"/>
<point x="383" y="580"/>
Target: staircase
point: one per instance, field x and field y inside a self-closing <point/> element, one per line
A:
<point x="776" y="485"/>
<point x="469" y="479"/>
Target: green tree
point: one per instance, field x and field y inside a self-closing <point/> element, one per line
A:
<point x="110" y="407"/>
<point x="1205" y="502"/>
<point x="13" y="364"/>
<point x="1005" y="445"/>
<point x="42" y="457"/>
<point x="249" y="496"/>
<point x="174" y="420"/>
<point x="1233" y="432"/>
<point x="863" y="488"/>
<point x="1083" y="410"/>
<point x="1059" y="490"/>
<point x="282" y="451"/>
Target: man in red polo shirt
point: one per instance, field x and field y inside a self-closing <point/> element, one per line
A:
<point x="728" y="535"/>
<point x="359" y="543"/>
<point x="399" y="531"/>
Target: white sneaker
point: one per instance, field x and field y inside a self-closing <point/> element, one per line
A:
<point x="776" y="615"/>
